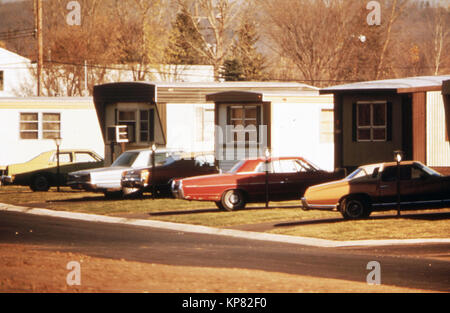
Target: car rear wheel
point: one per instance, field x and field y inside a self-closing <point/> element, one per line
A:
<point x="233" y="200"/>
<point x="355" y="208"/>
<point x="40" y="183"/>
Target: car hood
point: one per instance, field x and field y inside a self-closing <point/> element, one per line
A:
<point x="329" y="185"/>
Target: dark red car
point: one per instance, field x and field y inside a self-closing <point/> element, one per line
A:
<point x="287" y="179"/>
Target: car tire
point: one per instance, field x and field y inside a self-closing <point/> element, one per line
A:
<point x="219" y="205"/>
<point x="355" y="208"/>
<point x="113" y="195"/>
<point x="233" y="200"/>
<point x="40" y="183"/>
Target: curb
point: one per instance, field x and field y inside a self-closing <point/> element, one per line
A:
<point x="307" y="241"/>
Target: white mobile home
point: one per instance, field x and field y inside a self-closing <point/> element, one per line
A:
<point x="289" y="118"/>
<point x="29" y="125"/>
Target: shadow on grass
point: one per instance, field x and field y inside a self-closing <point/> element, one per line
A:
<point x="217" y="210"/>
<point x="434" y="216"/>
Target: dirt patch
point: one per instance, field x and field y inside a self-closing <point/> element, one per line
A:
<point x="25" y="268"/>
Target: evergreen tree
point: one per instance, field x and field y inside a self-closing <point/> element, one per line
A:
<point x="232" y="70"/>
<point x="181" y="41"/>
<point x="252" y="62"/>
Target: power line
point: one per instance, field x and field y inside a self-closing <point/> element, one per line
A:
<point x="16" y="34"/>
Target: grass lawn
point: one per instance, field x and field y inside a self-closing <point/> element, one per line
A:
<point x="288" y="217"/>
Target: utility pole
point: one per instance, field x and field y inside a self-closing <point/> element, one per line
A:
<point x="40" y="46"/>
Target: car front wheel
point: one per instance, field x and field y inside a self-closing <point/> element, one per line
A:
<point x="355" y="208"/>
<point x="233" y="200"/>
<point x="40" y="183"/>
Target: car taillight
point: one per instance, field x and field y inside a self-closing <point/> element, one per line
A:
<point x="144" y="175"/>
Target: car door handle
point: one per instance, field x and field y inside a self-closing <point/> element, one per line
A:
<point x="384" y="186"/>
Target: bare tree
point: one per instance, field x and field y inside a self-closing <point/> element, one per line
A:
<point x="440" y="39"/>
<point x="142" y="34"/>
<point x="320" y="37"/>
<point x="396" y="9"/>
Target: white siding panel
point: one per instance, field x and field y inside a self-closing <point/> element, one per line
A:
<point x="190" y="127"/>
<point x="438" y="149"/>
<point x="296" y="131"/>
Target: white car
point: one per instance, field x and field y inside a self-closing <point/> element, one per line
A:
<point x="107" y="179"/>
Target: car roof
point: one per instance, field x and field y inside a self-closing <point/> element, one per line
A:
<point x="388" y="164"/>
<point x="274" y="158"/>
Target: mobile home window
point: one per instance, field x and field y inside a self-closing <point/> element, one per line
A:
<point x="141" y="125"/>
<point x="29" y="126"/>
<point x="371" y="121"/>
<point x="128" y="118"/>
<point x="51" y="125"/>
<point x="326" y="126"/>
<point x="146" y="128"/>
<point x="240" y="118"/>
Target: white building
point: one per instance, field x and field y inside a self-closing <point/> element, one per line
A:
<point x="15" y="74"/>
<point x="17" y="79"/>
<point x="29" y="125"/>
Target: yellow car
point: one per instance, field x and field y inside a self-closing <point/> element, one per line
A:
<point x="40" y="173"/>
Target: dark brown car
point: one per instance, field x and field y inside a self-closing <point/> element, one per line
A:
<point x="167" y="167"/>
<point x="373" y="187"/>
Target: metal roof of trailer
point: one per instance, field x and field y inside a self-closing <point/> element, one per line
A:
<point x="399" y="85"/>
<point x="197" y="92"/>
<point x="189" y="92"/>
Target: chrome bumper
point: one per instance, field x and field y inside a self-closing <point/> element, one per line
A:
<point x="132" y="182"/>
<point x="81" y="185"/>
<point x="326" y="207"/>
<point x="177" y="189"/>
<point x="6" y="180"/>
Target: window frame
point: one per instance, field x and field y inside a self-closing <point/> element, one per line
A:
<point x="137" y="124"/>
<point x="244" y="123"/>
<point x="24" y="122"/>
<point x="371" y="127"/>
<point x="326" y="126"/>
<point x="44" y="122"/>
<point x="2" y="80"/>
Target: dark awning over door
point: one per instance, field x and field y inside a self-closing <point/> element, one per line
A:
<point x="112" y="93"/>
<point x="446" y="96"/>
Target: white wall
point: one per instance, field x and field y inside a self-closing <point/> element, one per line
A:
<point x="17" y="77"/>
<point x="438" y="149"/>
<point x="79" y="130"/>
<point x="190" y="127"/>
<point x="296" y="131"/>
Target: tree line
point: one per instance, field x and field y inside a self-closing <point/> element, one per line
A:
<point x="318" y="42"/>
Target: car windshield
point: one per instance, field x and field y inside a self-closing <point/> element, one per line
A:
<point x="164" y="158"/>
<point x="308" y="165"/>
<point x="125" y="159"/>
<point x="359" y="172"/>
<point x="236" y="167"/>
<point x="428" y="170"/>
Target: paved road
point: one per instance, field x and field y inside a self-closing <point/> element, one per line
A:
<point x="403" y="266"/>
